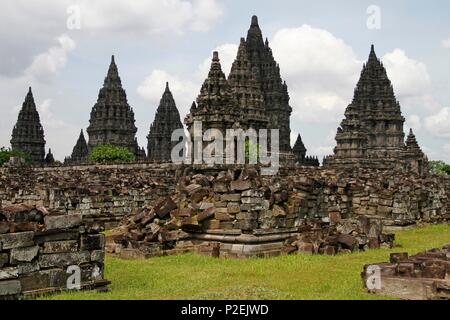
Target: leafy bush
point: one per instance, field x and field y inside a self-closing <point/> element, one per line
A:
<point x="439" y="168"/>
<point x="108" y="153"/>
<point x="6" y="154"/>
<point x="251" y="149"/>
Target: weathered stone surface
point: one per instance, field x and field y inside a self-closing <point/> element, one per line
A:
<point x="423" y="276"/>
<point x="26" y="254"/>
<point x="63" y="259"/>
<point x="4" y="259"/>
<point x="26" y="268"/>
<point x="92" y="242"/>
<point x="11" y="287"/>
<point x="9" y="273"/>
<point x="62" y="221"/>
<point x="60" y="246"/>
<point x="240" y="185"/>
<point x="16" y="240"/>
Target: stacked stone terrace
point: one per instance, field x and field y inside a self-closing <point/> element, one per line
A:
<point x="40" y="250"/>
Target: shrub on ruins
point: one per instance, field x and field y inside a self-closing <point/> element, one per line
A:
<point x="251" y="149"/>
<point x="6" y="154"/>
<point x="109" y="153"/>
<point x="439" y="168"/>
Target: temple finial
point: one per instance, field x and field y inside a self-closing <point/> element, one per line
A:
<point x="255" y="21"/>
<point x="113" y="59"/>
<point x="167" y="86"/>
<point x="215" y="56"/>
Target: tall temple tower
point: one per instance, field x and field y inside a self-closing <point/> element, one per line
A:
<point x="371" y="134"/>
<point x="80" y="151"/>
<point x="28" y="134"/>
<point x="274" y="90"/>
<point x="244" y="83"/>
<point x="112" y="119"/>
<point x="167" y="119"/>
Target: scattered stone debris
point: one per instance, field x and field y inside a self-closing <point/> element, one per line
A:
<point x="246" y="215"/>
<point x="424" y="276"/>
<point x="43" y="251"/>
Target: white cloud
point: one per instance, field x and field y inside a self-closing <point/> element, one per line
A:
<point x="411" y="81"/>
<point x="413" y="122"/>
<point x="184" y="90"/>
<point x="439" y="123"/>
<point x="227" y="54"/>
<point x="320" y="70"/>
<point x="446" y="43"/>
<point x="32" y="25"/>
<point x="48" y="64"/>
<point x="150" y="16"/>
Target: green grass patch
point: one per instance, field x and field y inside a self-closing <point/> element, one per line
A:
<point x="287" y="277"/>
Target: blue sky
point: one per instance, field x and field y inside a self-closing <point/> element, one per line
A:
<point x="320" y="47"/>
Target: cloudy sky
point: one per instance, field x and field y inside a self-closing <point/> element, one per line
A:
<point x="319" y="45"/>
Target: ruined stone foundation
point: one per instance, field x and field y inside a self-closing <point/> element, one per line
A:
<point x="42" y="252"/>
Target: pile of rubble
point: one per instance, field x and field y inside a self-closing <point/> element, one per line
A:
<point x="346" y="236"/>
<point x="43" y="251"/>
<point x="248" y="214"/>
<point x="424" y="276"/>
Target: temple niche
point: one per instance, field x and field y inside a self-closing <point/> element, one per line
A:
<point x="112" y="119"/>
<point x="371" y="134"/>
<point x="28" y="133"/>
<point x="167" y="120"/>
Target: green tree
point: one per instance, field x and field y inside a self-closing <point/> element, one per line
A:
<point x="6" y="154"/>
<point x="251" y="148"/>
<point x="439" y="168"/>
<point x="108" y="154"/>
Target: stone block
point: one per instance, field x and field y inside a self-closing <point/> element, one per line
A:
<point x="4" y="259"/>
<point x="26" y="254"/>
<point x="63" y="259"/>
<point x="9" y="273"/>
<point x="98" y="256"/>
<point x="223" y="216"/>
<point x="232" y="197"/>
<point x="60" y="236"/>
<point x="63" y="221"/>
<point x="11" y="287"/>
<point x="233" y="208"/>
<point x="26" y="268"/>
<point x="60" y="246"/>
<point x="206" y="214"/>
<point x="240" y="185"/>
<point x="92" y="242"/>
<point x="278" y="211"/>
<point x="17" y="240"/>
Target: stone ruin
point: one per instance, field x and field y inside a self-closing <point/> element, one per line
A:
<point x="38" y="248"/>
<point x="239" y="213"/>
<point x="424" y="276"/>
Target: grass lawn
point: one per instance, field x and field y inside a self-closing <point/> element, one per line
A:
<point x="288" y="277"/>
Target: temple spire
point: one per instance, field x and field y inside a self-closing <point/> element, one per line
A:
<point x="28" y="134"/>
<point x="112" y="118"/>
<point x="167" y="120"/>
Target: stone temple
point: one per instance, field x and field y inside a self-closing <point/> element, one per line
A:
<point x="253" y="95"/>
<point x="28" y="133"/>
<point x="371" y="134"/>
<point x="167" y="119"/>
<point x="80" y="152"/>
<point x="112" y="119"/>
